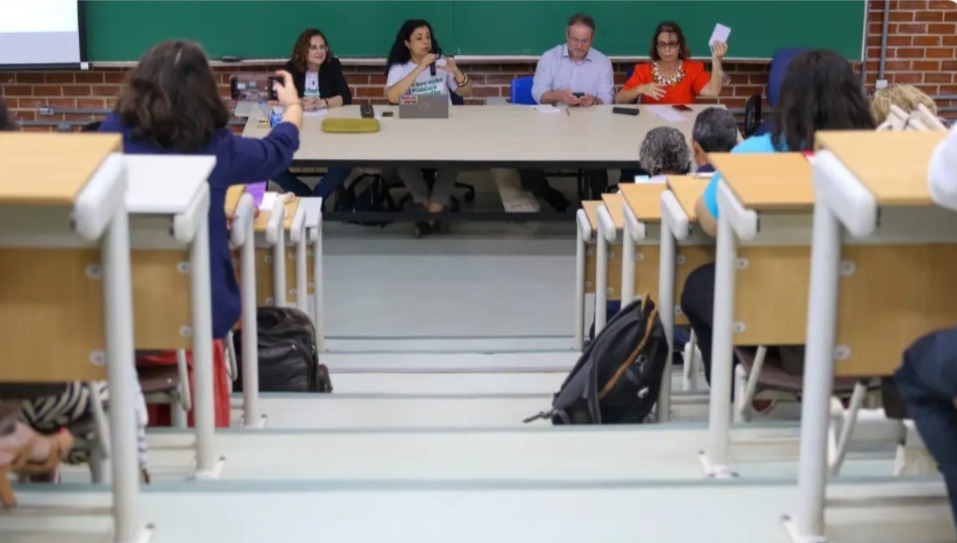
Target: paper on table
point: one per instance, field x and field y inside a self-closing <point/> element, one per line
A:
<point x="269" y="199"/>
<point x="547" y="108"/>
<point x="257" y="190"/>
<point x="316" y="113"/>
<point x="667" y="113"/>
<point x="721" y="33"/>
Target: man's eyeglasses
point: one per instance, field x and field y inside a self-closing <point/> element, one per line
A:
<point x="576" y="41"/>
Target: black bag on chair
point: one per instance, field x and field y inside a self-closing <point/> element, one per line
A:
<point x="288" y="361"/>
<point x="618" y="378"/>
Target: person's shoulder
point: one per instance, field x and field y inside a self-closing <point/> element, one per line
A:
<point x="113" y="123"/>
<point x="756" y="144"/>
<point x="335" y="63"/>
<point x="554" y="52"/>
<point x="291" y="67"/>
<point x="598" y="56"/>
<point x="692" y="66"/>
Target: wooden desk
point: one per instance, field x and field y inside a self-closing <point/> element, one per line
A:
<point x="607" y="283"/>
<point x="664" y="268"/>
<point x="483" y="136"/>
<point x="586" y="220"/>
<point x="909" y="257"/>
<point x="168" y="203"/>
<point x="65" y="307"/>
<point x="761" y="259"/>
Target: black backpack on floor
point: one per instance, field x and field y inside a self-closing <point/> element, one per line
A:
<point x="618" y="378"/>
<point x="368" y="192"/>
<point x="288" y="361"/>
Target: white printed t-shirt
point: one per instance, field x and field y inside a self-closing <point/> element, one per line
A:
<point x="312" y="85"/>
<point x="440" y="83"/>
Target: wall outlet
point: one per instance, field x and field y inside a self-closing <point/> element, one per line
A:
<point x="46" y="110"/>
<point x="881" y="84"/>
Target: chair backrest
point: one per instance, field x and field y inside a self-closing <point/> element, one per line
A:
<point x="522" y="91"/>
<point x="779" y="67"/>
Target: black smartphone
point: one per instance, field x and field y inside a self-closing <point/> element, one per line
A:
<point x="366" y="111"/>
<point x="255" y="87"/>
<point x="626" y="110"/>
<point x="578" y="94"/>
<point x="681" y="107"/>
<point x="387" y="114"/>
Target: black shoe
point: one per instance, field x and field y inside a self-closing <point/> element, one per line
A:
<point x="556" y="200"/>
<point x="422" y="228"/>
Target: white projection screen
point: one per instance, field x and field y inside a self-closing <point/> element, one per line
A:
<point x="38" y="33"/>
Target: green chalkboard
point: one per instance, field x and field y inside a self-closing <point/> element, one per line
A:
<point x="123" y="30"/>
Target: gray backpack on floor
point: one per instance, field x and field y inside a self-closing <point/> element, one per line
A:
<point x="618" y="378"/>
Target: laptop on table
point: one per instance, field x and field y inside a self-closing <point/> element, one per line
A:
<point x="424" y="106"/>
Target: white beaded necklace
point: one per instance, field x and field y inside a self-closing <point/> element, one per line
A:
<point x="669" y="81"/>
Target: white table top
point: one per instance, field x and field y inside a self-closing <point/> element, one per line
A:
<point x="507" y="135"/>
<point x="165" y="184"/>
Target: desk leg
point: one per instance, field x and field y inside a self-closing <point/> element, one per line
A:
<point x="250" y="362"/>
<point x="601" y="283"/>
<point x="317" y="312"/>
<point x="202" y="316"/>
<point x="818" y="377"/>
<point x="580" y="249"/>
<point x="715" y="457"/>
<point x="302" y="282"/>
<point x="666" y="312"/>
<point x="279" y="270"/>
<point x="627" y="266"/>
<point x="121" y="373"/>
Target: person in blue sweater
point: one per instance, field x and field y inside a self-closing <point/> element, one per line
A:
<point x="820" y="91"/>
<point x="171" y="105"/>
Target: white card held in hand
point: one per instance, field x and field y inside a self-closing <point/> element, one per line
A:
<point x="721" y="34"/>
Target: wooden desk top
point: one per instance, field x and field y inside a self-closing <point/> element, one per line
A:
<point x="687" y="189"/>
<point x="235" y="192"/>
<point x="505" y="134"/>
<point x="772" y="182"/>
<point x="615" y="204"/>
<point x="893" y="165"/>
<point x="644" y="200"/>
<point x="591" y="211"/>
<point x="50" y="169"/>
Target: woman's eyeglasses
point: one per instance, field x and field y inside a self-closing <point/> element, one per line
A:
<point x="318" y="48"/>
<point x="668" y="45"/>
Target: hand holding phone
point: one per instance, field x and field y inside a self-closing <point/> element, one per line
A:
<point x="258" y="87"/>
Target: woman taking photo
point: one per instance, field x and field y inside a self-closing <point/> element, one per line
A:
<point x="170" y="105"/>
<point x="319" y="81"/>
<point x="672" y="77"/>
<point x="409" y="71"/>
<point x="820" y="92"/>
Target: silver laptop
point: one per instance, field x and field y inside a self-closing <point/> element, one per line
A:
<point x="424" y="106"/>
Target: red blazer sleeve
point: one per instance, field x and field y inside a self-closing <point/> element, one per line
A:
<point x="640" y="76"/>
<point x="698" y="75"/>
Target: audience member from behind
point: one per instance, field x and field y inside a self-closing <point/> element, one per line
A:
<point x="665" y="151"/>
<point x="170" y="105"/>
<point x="906" y="97"/>
<point x="577" y="75"/>
<point x="409" y="70"/>
<point x="820" y="91"/>
<point x="715" y="131"/>
<point x="927" y="378"/>
<point x="672" y="77"/>
<point x="319" y="80"/>
<point x="7" y="124"/>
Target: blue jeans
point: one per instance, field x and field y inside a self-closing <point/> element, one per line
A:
<point x="927" y="380"/>
<point x="334" y="178"/>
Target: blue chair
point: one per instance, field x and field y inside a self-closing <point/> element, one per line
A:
<point x="522" y="91"/>
<point x="753" y="126"/>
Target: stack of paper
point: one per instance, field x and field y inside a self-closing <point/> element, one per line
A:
<point x="667" y="113"/>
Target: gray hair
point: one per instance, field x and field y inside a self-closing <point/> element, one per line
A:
<point x="665" y="151"/>
<point x="715" y="130"/>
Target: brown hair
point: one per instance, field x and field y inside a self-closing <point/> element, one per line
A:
<point x="669" y="27"/>
<point x="582" y="19"/>
<point x="902" y="95"/>
<point x="171" y="99"/>
<point x="300" y="51"/>
<point x="7" y="124"/>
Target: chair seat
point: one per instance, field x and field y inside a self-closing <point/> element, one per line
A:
<point x="158" y="379"/>
<point x="774" y="376"/>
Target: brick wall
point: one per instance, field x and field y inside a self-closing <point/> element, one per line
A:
<point x="922" y="50"/>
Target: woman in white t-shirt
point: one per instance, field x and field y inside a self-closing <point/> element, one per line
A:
<point x="409" y="72"/>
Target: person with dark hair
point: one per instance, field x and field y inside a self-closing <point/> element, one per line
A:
<point x="715" y="131"/>
<point x="820" y="92"/>
<point x="664" y="151"/>
<point x="574" y="74"/>
<point x="171" y="105"/>
<point x="672" y="77"/>
<point x="319" y="80"/>
<point x="7" y="124"/>
<point x="416" y="66"/>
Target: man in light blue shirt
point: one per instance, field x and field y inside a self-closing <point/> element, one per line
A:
<point x="575" y="75"/>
